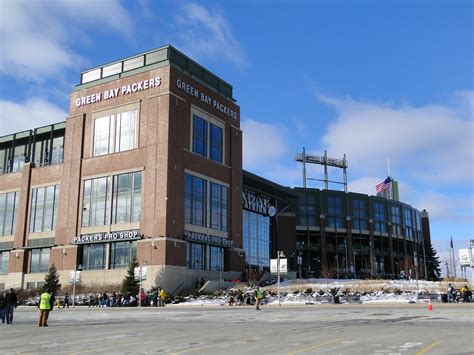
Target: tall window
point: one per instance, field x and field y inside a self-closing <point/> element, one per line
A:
<point x="408" y="221"/>
<point x="116" y="133"/>
<point x="94" y="206"/>
<point x="256" y="238"/>
<point x="8" y="212"/>
<point x="380" y="224"/>
<point x="307" y="210"/>
<point x="93" y="256"/>
<point x="126" y="199"/>
<point x="195" y="201"/>
<point x="44" y="205"/>
<point x="4" y="258"/>
<point x="218" y="206"/>
<point x="195" y="256"/>
<point x="359" y="211"/>
<point x="39" y="260"/>
<point x="121" y="253"/>
<point x="216" y="258"/>
<point x="335" y="213"/>
<point x="208" y="139"/>
<point x="396" y="221"/>
<point x="19" y="158"/>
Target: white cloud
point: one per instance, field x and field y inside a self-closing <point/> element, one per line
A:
<point x="207" y="34"/>
<point x="17" y="117"/>
<point x="432" y="142"/>
<point x="37" y="35"/>
<point x="263" y="144"/>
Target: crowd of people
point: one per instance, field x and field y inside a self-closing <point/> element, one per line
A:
<point x="154" y="298"/>
<point x="463" y="295"/>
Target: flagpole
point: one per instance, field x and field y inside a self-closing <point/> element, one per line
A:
<point x="454" y="260"/>
<point x="388" y="166"/>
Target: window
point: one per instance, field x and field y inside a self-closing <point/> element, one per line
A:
<point x="335" y="212"/>
<point x="126" y="199"/>
<point x="44" y="205"/>
<point x="195" y="256"/>
<point x="93" y="256"/>
<point x="207" y="139"/>
<point x="121" y="253"/>
<point x="116" y="133"/>
<point x="396" y="221"/>
<point x="195" y="200"/>
<point x="95" y="206"/>
<point x="359" y="211"/>
<point x="256" y="238"/>
<point x="408" y="221"/>
<point x="216" y="258"/>
<point x="4" y="258"/>
<point x="218" y="206"/>
<point x="19" y="158"/>
<point x="39" y="260"/>
<point x="307" y="210"/>
<point x="379" y="217"/>
<point x="8" y="212"/>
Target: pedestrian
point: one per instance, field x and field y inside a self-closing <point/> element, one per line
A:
<point x="162" y="297"/>
<point x="450" y="293"/>
<point x="3" y="304"/>
<point x="202" y="282"/>
<point x="258" y="298"/>
<point x="44" y="308"/>
<point x="66" y="301"/>
<point x="11" y="304"/>
<point x="196" y="283"/>
<point x="91" y="300"/>
<point x="114" y="299"/>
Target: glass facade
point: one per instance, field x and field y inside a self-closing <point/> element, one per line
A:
<point x="116" y="133"/>
<point x="408" y="222"/>
<point x="44" y="206"/>
<point x="216" y="258"/>
<point x="359" y="214"/>
<point x="396" y="221"/>
<point x="126" y="198"/>
<point x="4" y="258"/>
<point x="195" y="258"/>
<point x="93" y="256"/>
<point x="218" y="206"/>
<point x="208" y="139"/>
<point x="335" y="212"/>
<point x="379" y="217"/>
<point x="39" y="260"/>
<point x="121" y="253"/>
<point x="8" y="212"/>
<point x="256" y="238"/>
<point x="206" y="198"/>
<point x="307" y="210"/>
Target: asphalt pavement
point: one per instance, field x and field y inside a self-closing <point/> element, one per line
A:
<point x="286" y="329"/>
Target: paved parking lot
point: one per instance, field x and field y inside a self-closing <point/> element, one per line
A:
<point x="331" y="329"/>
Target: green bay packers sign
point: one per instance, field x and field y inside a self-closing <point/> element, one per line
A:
<point x="257" y="203"/>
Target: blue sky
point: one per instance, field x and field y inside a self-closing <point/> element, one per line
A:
<point x="371" y="79"/>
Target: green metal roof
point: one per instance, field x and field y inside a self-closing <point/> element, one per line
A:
<point x="156" y="58"/>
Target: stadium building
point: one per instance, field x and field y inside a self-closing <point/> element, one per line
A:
<point x="149" y="164"/>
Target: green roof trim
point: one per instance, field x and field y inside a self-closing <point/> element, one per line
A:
<point x="156" y="58"/>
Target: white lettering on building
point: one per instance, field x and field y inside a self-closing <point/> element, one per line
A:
<point x="113" y="93"/>
<point x="191" y="90"/>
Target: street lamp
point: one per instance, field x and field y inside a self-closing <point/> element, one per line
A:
<point x="279" y="255"/>
<point x="76" y="269"/>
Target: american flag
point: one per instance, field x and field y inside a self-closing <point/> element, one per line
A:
<point x="384" y="185"/>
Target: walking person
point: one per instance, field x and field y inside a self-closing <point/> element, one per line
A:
<point x="11" y="304"/>
<point x="258" y="298"/>
<point x="44" y="308"/>
<point x="162" y="297"/>
<point x="3" y="304"/>
<point x="450" y="293"/>
<point x="66" y="301"/>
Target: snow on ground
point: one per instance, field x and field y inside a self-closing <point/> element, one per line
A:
<point x="319" y="291"/>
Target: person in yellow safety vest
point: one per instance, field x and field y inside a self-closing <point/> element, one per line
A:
<point x="162" y="297"/>
<point x="258" y="298"/>
<point x="44" y="309"/>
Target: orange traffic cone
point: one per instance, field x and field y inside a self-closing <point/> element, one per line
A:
<point x="430" y="306"/>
